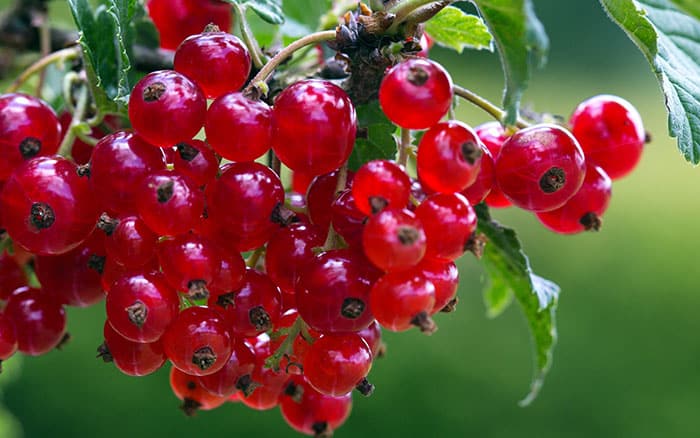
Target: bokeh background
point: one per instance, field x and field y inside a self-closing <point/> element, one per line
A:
<point x="627" y="363"/>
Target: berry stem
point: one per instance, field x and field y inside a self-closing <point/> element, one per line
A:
<point x="404" y="147"/>
<point x="78" y="115"/>
<point x="282" y="55"/>
<point x="333" y="239"/>
<point x="286" y="347"/>
<point x="256" y="53"/>
<point x="406" y="9"/>
<point x="41" y="64"/>
<point x="255" y="257"/>
<point x="487" y="106"/>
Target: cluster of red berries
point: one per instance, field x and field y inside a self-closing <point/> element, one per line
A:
<point x="158" y="222"/>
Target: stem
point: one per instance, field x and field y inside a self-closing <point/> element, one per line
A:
<point x="487" y="106"/>
<point x="404" y="146"/>
<point x="78" y="116"/>
<point x="255" y="257"/>
<point x="286" y="346"/>
<point x="333" y="238"/>
<point x="285" y="53"/>
<point x="405" y="9"/>
<point x="41" y="64"/>
<point x="256" y="53"/>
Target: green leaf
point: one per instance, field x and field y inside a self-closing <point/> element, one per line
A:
<point x="670" y="40"/>
<point x="454" y="28"/>
<point x="509" y="270"/>
<point x="690" y="6"/>
<point x="268" y="10"/>
<point x="379" y="141"/>
<point x="522" y="44"/>
<point x="497" y="296"/>
<point x="307" y="13"/>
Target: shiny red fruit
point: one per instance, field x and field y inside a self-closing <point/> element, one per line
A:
<point x="480" y="189"/>
<point x="129" y="242"/>
<point x="289" y="250"/>
<point x="196" y="160"/>
<point x="11" y="276"/>
<point x="313" y="127"/>
<point x="336" y="364"/>
<point x="394" y="240"/>
<point x="379" y="184"/>
<point x="131" y="358"/>
<point x="445" y="278"/>
<point x="449" y="222"/>
<point x="178" y="19"/>
<point x="493" y="136"/>
<point x="321" y="194"/>
<point x="8" y="337"/>
<point x="401" y="300"/>
<point x="169" y="203"/>
<point x="190" y="263"/>
<point x="235" y="375"/>
<point x="38" y="319"/>
<point x="194" y="397"/>
<point x="309" y="412"/>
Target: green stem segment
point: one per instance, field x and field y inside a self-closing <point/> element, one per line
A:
<point x="80" y="108"/>
<point x="487" y="106"/>
<point x="41" y="64"/>
<point x="256" y="53"/>
<point x="266" y="71"/>
<point x="273" y="362"/>
<point x="255" y="257"/>
<point x="404" y="147"/>
<point x="333" y="239"/>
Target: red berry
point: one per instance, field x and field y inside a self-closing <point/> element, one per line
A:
<point x="28" y="128"/>
<point x="38" y="319"/>
<point x="230" y="276"/>
<point x="493" y="136"/>
<point x="131" y="358"/>
<point x="313" y="127"/>
<point x="196" y="160"/>
<point x="272" y="383"/>
<point x="166" y="108"/>
<point x="309" y="412"/>
<point x="540" y="168"/>
<point x="400" y="300"/>
<point x="289" y="250"/>
<point x="449" y="222"/>
<point x="46" y="207"/>
<point x="445" y="278"/>
<point x="249" y="119"/>
<point x="190" y="263"/>
<point x="582" y="212"/>
<point x="449" y="157"/>
<point x="129" y="241"/>
<point x="611" y="133"/>
<point x="216" y="61"/>
<point x="235" y="375"/>
<point x="394" y="240"/>
<point x="347" y="220"/>
<point x="119" y="162"/>
<point x="378" y="184"/>
<point x="198" y="341"/>
<point x="301" y="182"/>
<point x="75" y="278"/>
<point x="178" y="19"/>
<point x="8" y="338"/>
<point x="11" y="275"/>
<point x="336" y="364"/>
<point x="333" y="292"/>
<point x="479" y="190"/>
<point x="416" y="93"/>
<point x="373" y="336"/>
<point x="194" y="397"/>
<point x="141" y="307"/>
<point x="169" y="203"/>
<point x="320" y="196"/>
<point x="252" y="309"/>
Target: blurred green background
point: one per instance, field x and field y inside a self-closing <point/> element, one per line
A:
<point x="627" y="363"/>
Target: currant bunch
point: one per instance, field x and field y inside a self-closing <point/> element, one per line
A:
<point x="254" y="292"/>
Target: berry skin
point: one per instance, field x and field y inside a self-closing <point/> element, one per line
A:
<point x="333" y="292"/>
<point x="216" y="61"/>
<point x="46" y="207"/>
<point x="347" y="220"/>
<point x="394" y="240"/>
<point x="198" y="341"/>
<point x="28" y="128"/>
<point x="401" y="300"/>
<point x="479" y="190"/>
<point x="8" y="338"/>
<point x="540" y="168"/>
<point x="313" y="127"/>
<point x="141" y="307"/>
<point x="169" y="203"/>
<point x="166" y="108"/>
<point x="252" y="309"/>
<point x="445" y="278"/>
<point x="373" y="336"/>
<point x="11" y="275"/>
<point x="336" y="364"/>
<point x="378" y="184"/>
<point x="449" y="157"/>
<point x="75" y="277"/>
<point x="190" y="263"/>
<point x="289" y="250"/>
<point x="129" y="241"/>
<point x="582" y="212"/>
<point x="611" y="133"/>
<point x="131" y="358"/>
<point x="38" y="319"/>
<point x="493" y="136"/>
<point x="235" y="375"/>
<point x="119" y="162"/>
<point x="249" y="119"/>
<point x="194" y="397"/>
<point x="196" y="160"/>
<point x="416" y="93"/>
<point x="272" y="383"/>
<point x="230" y="276"/>
<point x="178" y="19"/>
<point x="449" y="222"/>
<point x="320" y="196"/>
<point x="309" y="412"/>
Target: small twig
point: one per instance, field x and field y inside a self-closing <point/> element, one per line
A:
<point x="256" y="53"/>
<point x="404" y="146"/>
<point x="333" y="238"/>
<point x="41" y="64"/>
<point x="487" y="106"/>
<point x="286" y="347"/>
<point x="252" y="261"/>
<point x="78" y="116"/>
